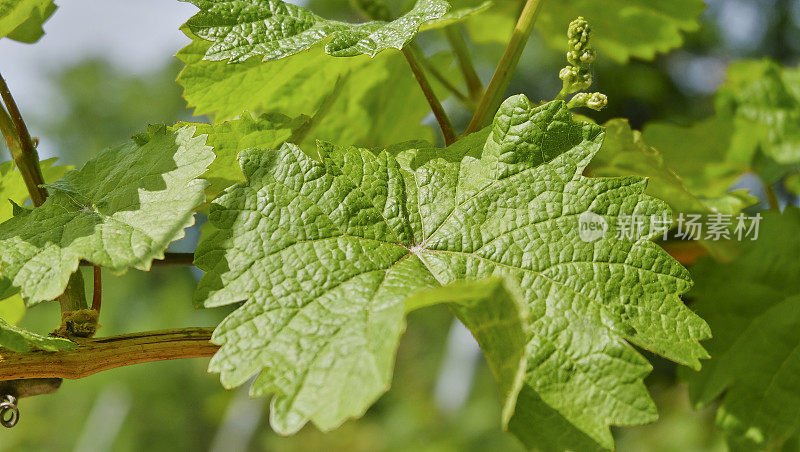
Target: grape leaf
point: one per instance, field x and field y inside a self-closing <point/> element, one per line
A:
<point x="623" y="29"/>
<point x="120" y="210"/>
<point x="21" y="20"/>
<point x="625" y="153"/>
<point x="752" y="306"/>
<point x="228" y="138"/>
<point x="19" y="340"/>
<point x="326" y="252"/>
<point x="272" y="29"/>
<point x="300" y="85"/>
<point x="764" y="99"/>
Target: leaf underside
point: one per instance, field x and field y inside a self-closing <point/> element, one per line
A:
<point x="120" y="211"/>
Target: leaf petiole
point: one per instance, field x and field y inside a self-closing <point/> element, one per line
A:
<point x="495" y="94"/>
<point x="410" y="52"/>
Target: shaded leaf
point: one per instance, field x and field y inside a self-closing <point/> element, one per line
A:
<point x="753" y="307"/>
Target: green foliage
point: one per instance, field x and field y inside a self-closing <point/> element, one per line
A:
<point x="752" y="307"/>
<point x="703" y="188"/>
<point x="624" y="29"/>
<point x="227" y="138"/>
<point x="14" y="192"/>
<point x="21" y="340"/>
<point x="330" y="248"/>
<point x="347" y="239"/>
<point x="21" y="20"/>
<point x="272" y="29"/>
<point x="376" y="101"/>
<point x="764" y="100"/>
<point x="12" y="186"/>
<point x="120" y="210"/>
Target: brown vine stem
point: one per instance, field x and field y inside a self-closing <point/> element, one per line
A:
<point x="98" y="354"/>
<point x="410" y="51"/>
<point x="169" y="259"/>
<point x="21" y="146"/>
<point x="97" y="294"/>
<point x="493" y="97"/>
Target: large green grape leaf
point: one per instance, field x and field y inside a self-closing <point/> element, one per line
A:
<point x="326" y="253"/>
<point x="19" y="340"/>
<point x="623" y="29"/>
<point x="703" y="190"/>
<point x="120" y="210"/>
<point x="272" y="29"/>
<point x="21" y="20"/>
<point x="764" y="99"/>
<point x="753" y="307"/>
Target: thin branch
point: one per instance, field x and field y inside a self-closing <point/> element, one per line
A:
<point x="456" y="39"/>
<point x="97" y="294"/>
<point x="772" y="198"/>
<point x="169" y="259"/>
<point x="493" y="97"/>
<point x="442" y="79"/>
<point x="99" y="354"/>
<point x="21" y="146"/>
<point x="448" y="131"/>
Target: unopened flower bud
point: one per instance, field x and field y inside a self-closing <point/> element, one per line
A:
<point x="595" y="101"/>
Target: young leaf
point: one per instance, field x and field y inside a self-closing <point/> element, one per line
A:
<point x="21" y="20"/>
<point x="120" y="210"/>
<point x="326" y="254"/>
<point x="272" y="29"/>
<point x="22" y="341"/>
<point x="753" y="307"/>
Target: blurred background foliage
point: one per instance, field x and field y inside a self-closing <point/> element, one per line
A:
<point x="443" y="397"/>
